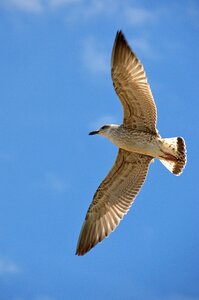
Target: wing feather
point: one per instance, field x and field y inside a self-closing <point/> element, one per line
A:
<point x="113" y="198"/>
<point x="131" y="86"/>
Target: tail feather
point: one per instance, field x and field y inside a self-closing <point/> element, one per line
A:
<point x="174" y="155"/>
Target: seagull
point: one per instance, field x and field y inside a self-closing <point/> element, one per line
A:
<point x="139" y="143"/>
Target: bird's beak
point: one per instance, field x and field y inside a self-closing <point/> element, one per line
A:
<point x="94" y="132"/>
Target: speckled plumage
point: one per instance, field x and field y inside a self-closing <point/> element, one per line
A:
<point x="138" y="141"/>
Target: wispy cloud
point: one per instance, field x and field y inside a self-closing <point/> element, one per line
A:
<point x="36" y="6"/>
<point x="58" y="4"/>
<point x="87" y="10"/>
<point x="138" y="16"/>
<point x="128" y="13"/>
<point x="8" y="267"/>
<point x="33" y="6"/>
<point x="55" y="183"/>
<point x="144" y="46"/>
<point x="94" y="57"/>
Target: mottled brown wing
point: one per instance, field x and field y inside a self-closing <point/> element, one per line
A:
<point x="113" y="198"/>
<point x="131" y="86"/>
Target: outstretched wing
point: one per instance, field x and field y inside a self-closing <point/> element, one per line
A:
<point x="113" y="198"/>
<point x="131" y="86"/>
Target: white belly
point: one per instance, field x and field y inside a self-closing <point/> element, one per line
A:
<point x="142" y="144"/>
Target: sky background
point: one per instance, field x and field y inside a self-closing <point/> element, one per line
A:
<point x="55" y="87"/>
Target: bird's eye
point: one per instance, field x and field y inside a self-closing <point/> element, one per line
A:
<point x="104" y="127"/>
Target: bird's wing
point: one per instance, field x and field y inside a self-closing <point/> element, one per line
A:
<point x="131" y="86"/>
<point x="113" y="198"/>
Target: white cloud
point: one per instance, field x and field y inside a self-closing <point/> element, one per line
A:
<point x="79" y="9"/>
<point x="8" y="267"/>
<point x="143" y="46"/>
<point x="95" y="8"/>
<point x="57" y="4"/>
<point x="94" y="57"/>
<point x="34" y="6"/>
<point x="55" y="182"/>
<point x="85" y="10"/>
<point x="139" y="16"/>
<point x="123" y="11"/>
<point x="91" y="9"/>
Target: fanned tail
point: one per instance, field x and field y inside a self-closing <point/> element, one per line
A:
<point x="174" y="155"/>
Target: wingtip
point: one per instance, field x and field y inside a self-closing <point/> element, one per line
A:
<point x="119" y="32"/>
<point x="78" y="254"/>
<point x="120" y="35"/>
<point x="81" y="252"/>
<point x="78" y="251"/>
<point x="120" y="40"/>
<point x="83" y="248"/>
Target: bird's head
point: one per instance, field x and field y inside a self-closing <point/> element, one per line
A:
<point x="105" y="130"/>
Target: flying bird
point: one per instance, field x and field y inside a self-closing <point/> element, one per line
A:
<point x="139" y="143"/>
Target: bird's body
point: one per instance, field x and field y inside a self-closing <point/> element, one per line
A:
<point x="134" y="141"/>
<point x="139" y="143"/>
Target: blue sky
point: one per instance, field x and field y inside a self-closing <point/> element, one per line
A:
<point x="55" y="86"/>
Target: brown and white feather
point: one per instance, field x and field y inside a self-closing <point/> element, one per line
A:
<point x="131" y="86"/>
<point x="113" y="198"/>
